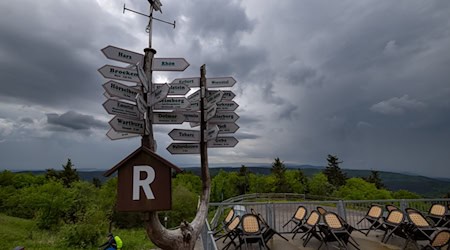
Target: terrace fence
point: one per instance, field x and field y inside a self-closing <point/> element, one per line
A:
<point x="277" y="209"/>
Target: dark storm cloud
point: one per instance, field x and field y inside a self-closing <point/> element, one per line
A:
<point x="75" y="121"/>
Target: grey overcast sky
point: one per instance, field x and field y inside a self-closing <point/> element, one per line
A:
<point x="366" y="80"/>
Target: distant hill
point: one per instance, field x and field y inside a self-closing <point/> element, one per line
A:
<point x="425" y="186"/>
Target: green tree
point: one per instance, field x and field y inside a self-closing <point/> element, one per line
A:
<point x="67" y="176"/>
<point x="279" y="170"/>
<point x="261" y="183"/>
<point x="319" y="185"/>
<point x="405" y="194"/>
<point x="297" y="181"/>
<point x="333" y="172"/>
<point x="359" y="189"/>
<point x="224" y="185"/>
<point x="374" y="178"/>
<point x="243" y="184"/>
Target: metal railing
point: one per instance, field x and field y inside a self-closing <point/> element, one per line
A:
<point x="277" y="213"/>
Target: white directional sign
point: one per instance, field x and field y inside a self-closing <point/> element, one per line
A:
<point x="167" y="118"/>
<point x="228" y="95"/>
<point x="169" y="64"/>
<point x="105" y="94"/>
<point x="224" y="117"/>
<point x="227" y="106"/>
<point x="120" y="90"/>
<point x="157" y="95"/>
<point x="141" y="104"/>
<point x="223" y="142"/>
<point x="122" y="55"/>
<point x="184" y="148"/>
<point x="127" y="125"/>
<point x="213" y="99"/>
<point x="194" y="97"/>
<point x="220" y="82"/>
<point x="169" y="103"/>
<point x="193" y="135"/>
<point x="191" y="116"/>
<point x="185" y="135"/>
<point x="226" y="127"/>
<point x="119" y="73"/>
<point x="113" y="135"/>
<point x="194" y="148"/>
<point x="190" y="82"/>
<point x="212" y="133"/>
<point x="210" y="112"/>
<point x="175" y="88"/>
<point x="122" y="109"/>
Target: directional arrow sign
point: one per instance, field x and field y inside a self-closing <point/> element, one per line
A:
<point x="228" y="95"/>
<point x="224" y="117"/>
<point x="213" y="99"/>
<point x="157" y="95"/>
<point x="191" y="116"/>
<point x="227" y="106"/>
<point x="122" y="55"/>
<point x="122" y="109"/>
<point x="113" y="135"/>
<point x="223" y="142"/>
<point x="119" y="73"/>
<point x="141" y="104"/>
<point x="169" y="64"/>
<point x="120" y="90"/>
<point x="169" y="103"/>
<point x="184" y="148"/>
<point x="194" y="97"/>
<point x="167" y="118"/>
<point x="175" y="88"/>
<point x="210" y="112"/>
<point x="190" y="82"/>
<point x="220" y="82"/>
<point x="226" y="127"/>
<point x="212" y="133"/>
<point x="126" y="125"/>
<point x="185" y="135"/>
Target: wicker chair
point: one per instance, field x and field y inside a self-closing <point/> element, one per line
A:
<point x="309" y="228"/>
<point x="335" y="231"/>
<point x="232" y="232"/>
<point x="437" y="213"/>
<point x="419" y="228"/>
<point x="438" y="240"/>
<point x="298" y="218"/>
<point x="373" y="216"/>
<point x="221" y="227"/>
<point x="251" y="231"/>
<point x="393" y="224"/>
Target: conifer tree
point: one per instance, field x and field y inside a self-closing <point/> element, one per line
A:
<point x="333" y="172"/>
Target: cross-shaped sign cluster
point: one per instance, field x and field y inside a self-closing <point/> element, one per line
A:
<point x="170" y="105"/>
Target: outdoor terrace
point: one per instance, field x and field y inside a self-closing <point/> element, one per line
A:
<point x="277" y="212"/>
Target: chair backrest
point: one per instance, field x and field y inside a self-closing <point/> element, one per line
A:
<point x="300" y="214"/>
<point x="234" y="223"/>
<point x="321" y="210"/>
<point x="390" y="207"/>
<point x="375" y="211"/>
<point x="395" y="217"/>
<point x="313" y="218"/>
<point x="229" y="216"/>
<point x="417" y="218"/>
<point x="437" y="210"/>
<point x="332" y="220"/>
<point x="440" y="238"/>
<point x="250" y="224"/>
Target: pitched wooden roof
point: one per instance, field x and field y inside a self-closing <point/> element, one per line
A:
<point x="145" y="151"/>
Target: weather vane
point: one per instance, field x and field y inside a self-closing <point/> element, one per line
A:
<point x="155" y="5"/>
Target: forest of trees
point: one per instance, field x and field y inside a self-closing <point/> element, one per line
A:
<point x="81" y="211"/>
